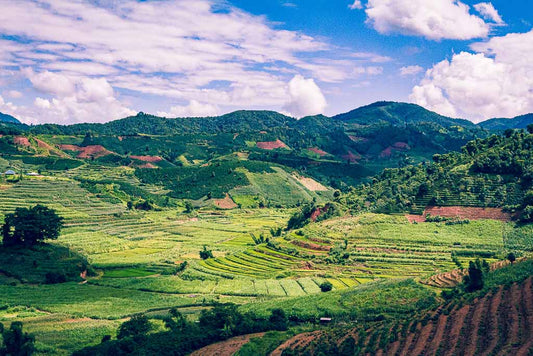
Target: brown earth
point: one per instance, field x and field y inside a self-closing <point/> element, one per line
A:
<point x="21" y="141"/>
<point x="310" y="184"/>
<point x="225" y="348"/>
<point x="498" y="323"/>
<point x="461" y="212"/>
<point x="317" y="150"/>
<point x="226" y="203"/>
<point x="94" y="151"/>
<point x="271" y="145"/>
<point x="147" y="158"/>
<point x="310" y="245"/>
<point x="352" y="157"/>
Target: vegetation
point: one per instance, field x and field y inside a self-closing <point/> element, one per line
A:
<point x="30" y="226"/>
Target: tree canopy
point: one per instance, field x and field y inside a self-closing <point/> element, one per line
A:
<point x="28" y="226"/>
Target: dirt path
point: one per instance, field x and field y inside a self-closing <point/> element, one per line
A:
<point x="227" y="347"/>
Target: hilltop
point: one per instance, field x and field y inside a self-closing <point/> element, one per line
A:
<point x="8" y="119"/>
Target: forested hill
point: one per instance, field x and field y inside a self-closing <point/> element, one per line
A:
<point x="8" y="119"/>
<point x="492" y="172"/>
<point x="519" y="122"/>
<point x="398" y="114"/>
<point x="238" y="121"/>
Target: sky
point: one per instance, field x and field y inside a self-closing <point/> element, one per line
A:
<point x="71" y="61"/>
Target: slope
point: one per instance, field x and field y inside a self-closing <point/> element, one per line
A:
<point x="519" y="122"/>
<point x="8" y="119"/>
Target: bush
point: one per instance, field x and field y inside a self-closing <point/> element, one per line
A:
<point x="55" y="277"/>
<point x="326" y="286"/>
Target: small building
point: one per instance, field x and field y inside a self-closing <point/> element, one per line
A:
<point x="10" y="172"/>
<point x="33" y="174"/>
<point x="325" y="320"/>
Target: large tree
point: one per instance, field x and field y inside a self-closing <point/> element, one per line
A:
<point x="28" y="226"/>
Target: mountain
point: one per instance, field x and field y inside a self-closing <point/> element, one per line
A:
<point x="501" y="124"/>
<point x="397" y="114"/>
<point x="235" y="122"/>
<point x="8" y="119"/>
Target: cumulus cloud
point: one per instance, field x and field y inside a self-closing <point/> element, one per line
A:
<point x="356" y="5"/>
<point x="72" y="99"/>
<point x="487" y="10"/>
<point x="496" y="81"/>
<point x="434" y="19"/>
<point x="7" y="107"/>
<point x="306" y="98"/>
<point x="411" y="70"/>
<point x="15" y="94"/>
<point x="202" y="50"/>
<point x="194" y="109"/>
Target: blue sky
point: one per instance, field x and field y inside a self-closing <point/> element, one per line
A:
<point x="76" y="61"/>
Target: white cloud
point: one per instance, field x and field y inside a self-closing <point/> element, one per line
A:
<point x="306" y="98"/>
<point x="369" y="70"/>
<point x="72" y="99"/>
<point x="356" y="5"/>
<point x="179" y="49"/>
<point x="371" y="57"/>
<point x="7" y="107"/>
<point x="194" y="109"/>
<point x="487" y="10"/>
<point x="411" y="70"/>
<point x="495" y="82"/>
<point x="15" y="94"/>
<point x="433" y="19"/>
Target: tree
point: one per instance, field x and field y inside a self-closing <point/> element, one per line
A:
<point x="511" y="257"/>
<point x="15" y="341"/>
<point x="28" y="226"/>
<point x="326" y="286"/>
<point x="205" y="254"/>
<point x="278" y="320"/>
<point x="530" y="128"/>
<point x="474" y="279"/>
<point x="137" y="325"/>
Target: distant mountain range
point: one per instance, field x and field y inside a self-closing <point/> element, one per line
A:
<point x="378" y="113"/>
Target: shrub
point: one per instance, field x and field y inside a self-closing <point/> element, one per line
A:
<point x="326" y="286"/>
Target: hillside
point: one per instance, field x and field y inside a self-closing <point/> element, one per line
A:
<point x="519" y="122"/>
<point x="493" y="172"/>
<point x="495" y="321"/>
<point x="8" y="119"/>
<point x="398" y="114"/>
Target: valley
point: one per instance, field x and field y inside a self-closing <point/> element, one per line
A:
<point x="280" y="207"/>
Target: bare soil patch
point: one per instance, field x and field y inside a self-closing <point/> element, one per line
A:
<point x="226" y="203"/>
<point x="271" y="145"/>
<point x="21" y="141"/>
<point x="310" y="184"/>
<point x="94" y="151"/>
<point x="226" y="348"/>
<point x="318" y="151"/>
<point x="147" y="158"/>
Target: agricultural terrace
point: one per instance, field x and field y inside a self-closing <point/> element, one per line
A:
<point x="134" y="256"/>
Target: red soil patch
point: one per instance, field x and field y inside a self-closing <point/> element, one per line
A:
<point x="262" y="132"/>
<point x="401" y="146"/>
<point x="471" y="213"/>
<point x="317" y="150"/>
<point x="120" y="138"/>
<point x="226" y="348"/>
<point x="94" y="151"/>
<point x="318" y="211"/>
<point x="462" y="212"/>
<point x="387" y="152"/>
<point x="271" y="145"/>
<point x="226" y="203"/>
<point x="147" y="158"/>
<point x="22" y="141"/>
<point x="310" y="245"/>
<point x="296" y="341"/>
<point x="352" y="157"/>
<point x="415" y="218"/>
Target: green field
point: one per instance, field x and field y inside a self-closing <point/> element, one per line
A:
<point x="134" y="256"/>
